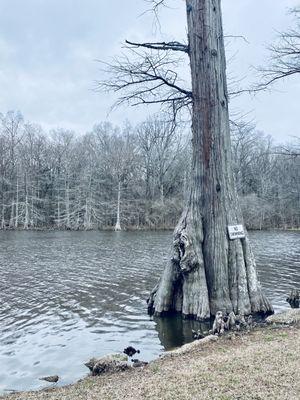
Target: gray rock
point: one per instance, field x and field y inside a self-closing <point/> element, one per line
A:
<point x="51" y="379"/>
<point x="109" y="363"/>
<point x="139" y="364"/>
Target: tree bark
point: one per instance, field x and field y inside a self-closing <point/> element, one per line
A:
<point x="118" y="223"/>
<point x="67" y="200"/>
<point x="26" y="217"/>
<point x="58" y="211"/>
<point x="208" y="272"/>
<point x="3" y="216"/>
<point x="17" y="203"/>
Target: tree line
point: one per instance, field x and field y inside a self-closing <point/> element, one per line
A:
<point x="132" y="177"/>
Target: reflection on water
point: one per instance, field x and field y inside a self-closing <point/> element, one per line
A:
<point x="175" y="331"/>
<point x="67" y="296"/>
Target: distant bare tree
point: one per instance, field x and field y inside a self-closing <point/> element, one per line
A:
<point x="292" y="150"/>
<point x="12" y="129"/>
<point x="284" y="55"/>
<point x="63" y="181"/>
<point x="119" y="153"/>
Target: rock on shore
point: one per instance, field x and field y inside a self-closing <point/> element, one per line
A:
<point x="109" y="363"/>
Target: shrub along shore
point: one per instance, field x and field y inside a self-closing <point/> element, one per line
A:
<point x="260" y="364"/>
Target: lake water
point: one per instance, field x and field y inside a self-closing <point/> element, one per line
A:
<point x="68" y="296"/>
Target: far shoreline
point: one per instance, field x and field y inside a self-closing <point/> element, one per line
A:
<point x="131" y="229"/>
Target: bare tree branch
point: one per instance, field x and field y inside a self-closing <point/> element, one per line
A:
<point x="284" y="56"/>
<point x="237" y="37"/>
<point x="175" y="46"/>
<point x="156" y="4"/>
<point x="290" y="150"/>
<point x="146" y="78"/>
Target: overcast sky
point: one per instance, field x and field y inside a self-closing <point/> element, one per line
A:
<point x="48" y="50"/>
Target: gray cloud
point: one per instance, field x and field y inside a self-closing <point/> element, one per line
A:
<point x="48" y="48"/>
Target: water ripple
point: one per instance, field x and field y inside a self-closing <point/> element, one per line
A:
<point x="67" y="296"/>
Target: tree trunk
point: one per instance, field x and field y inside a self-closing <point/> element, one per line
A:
<point x="67" y="199"/>
<point x="209" y="272"/>
<point x="26" y="217"/>
<point x="26" y="205"/>
<point x="32" y="216"/>
<point x="11" y="220"/>
<point x="17" y="204"/>
<point x="3" y="225"/>
<point x="118" y="223"/>
<point x="58" y="211"/>
<point x="87" y="224"/>
<point x="162" y="194"/>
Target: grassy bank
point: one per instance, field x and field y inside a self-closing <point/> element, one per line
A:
<point x="263" y="364"/>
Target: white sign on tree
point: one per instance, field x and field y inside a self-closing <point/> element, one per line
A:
<point x="236" y="232"/>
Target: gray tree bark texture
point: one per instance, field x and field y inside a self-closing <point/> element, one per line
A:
<point x="208" y="272"/>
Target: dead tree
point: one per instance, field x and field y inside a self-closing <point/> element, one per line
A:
<point x="207" y="272"/>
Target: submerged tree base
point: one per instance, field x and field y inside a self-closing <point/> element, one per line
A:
<point x="202" y="278"/>
<point x="258" y="316"/>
